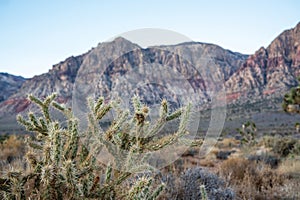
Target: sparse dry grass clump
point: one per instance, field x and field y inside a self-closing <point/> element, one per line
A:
<point x="12" y="151"/>
<point x="228" y="143"/>
<point x="12" y="148"/>
<point x="283" y="146"/>
<point x="256" y="180"/>
<point x="290" y="167"/>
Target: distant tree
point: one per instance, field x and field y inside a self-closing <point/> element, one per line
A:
<point x="248" y="132"/>
<point x="291" y="100"/>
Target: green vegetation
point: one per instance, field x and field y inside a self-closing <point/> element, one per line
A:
<point x="282" y="146"/>
<point x="248" y="132"/>
<point x="291" y="100"/>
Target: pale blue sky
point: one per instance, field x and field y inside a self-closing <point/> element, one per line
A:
<point x="34" y="35"/>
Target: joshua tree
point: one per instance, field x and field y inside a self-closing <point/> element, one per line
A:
<point x="248" y="132"/>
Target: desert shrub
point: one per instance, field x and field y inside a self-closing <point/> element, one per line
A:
<point x="282" y="146"/>
<point x="223" y="155"/>
<point x="267" y="141"/>
<point x="291" y="100"/>
<point x="11" y="148"/>
<point x="252" y="180"/>
<point x="290" y="167"/>
<point x="296" y="149"/>
<point x="12" y="151"/>
<point x="228" y="143"/>
<point x="268" y="159"/>
<point x="234" y="168"/>
<point x="62" y="166"/>
<point x="190" y="152"/>
<point x="193" y="178"/>
<point x="196" y="183"/>
<point x="3" y="137"/>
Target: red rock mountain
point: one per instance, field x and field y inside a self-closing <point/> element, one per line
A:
<point x="266" y="74"/>
<point x="271" y="70"/>
<point x="9" y="84"/>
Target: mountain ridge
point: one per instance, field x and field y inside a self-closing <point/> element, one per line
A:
<point x="269" y="69"/>
<point x="267" y="73"/>
<point x="9" y="84"/>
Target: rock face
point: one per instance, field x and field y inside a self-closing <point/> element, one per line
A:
<point x="188" y="68"/>
<point x="180" y="73"/>
<point x="59" y="79"/>
<point x="269" y="71"/>
<point x="9" y="84"/>
<point x="122" y="68"/>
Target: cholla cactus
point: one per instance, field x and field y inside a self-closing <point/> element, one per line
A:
<point x="142" y="190"/>
<point x="131" y="137"/>
<point x="203" y="192"/>
<point x="64" y="167"/>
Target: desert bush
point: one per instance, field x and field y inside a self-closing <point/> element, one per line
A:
<point x="296" y="149"/>
<point x="196" y="183"/>
<point x="282" y="146"/>
<point x="228" y="143"/>
<point x="12" y="151"/>
<point x="234" y="168"/>
<point x="11" y="148"/>
<point x="62" y="166"/>
<point x="268" y="159"/>
<point x="223" y="155"/>
<point x="3" y="137"/>
<point x="252" y="180"/>
<point x="291" y="100"/>
<point x="290" y="167"/>
<point x="267" y="141"/>
<point x="194" y="178"/>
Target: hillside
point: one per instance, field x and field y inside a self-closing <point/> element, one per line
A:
<point x="254" y="83"/>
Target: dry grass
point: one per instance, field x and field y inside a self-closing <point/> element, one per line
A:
<point x="248" y="179"/>
<point x="11" y="148"/>
<point x="252" y="180"/>
<point x="228" y="143"/>
<point x="12" y="152"/>
<point x="283" y="146"/>
<point x="290" y="167"/>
